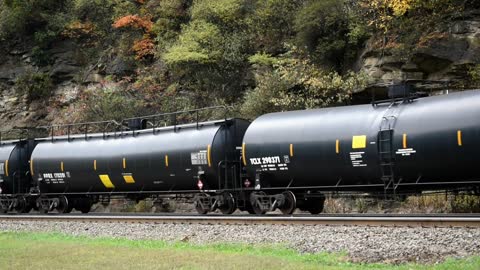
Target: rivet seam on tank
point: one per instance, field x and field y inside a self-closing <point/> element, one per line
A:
<point x="166" y="160"/>
<point x="94" y="164"/>
<point x="209" y="155"/>
<point x="31" y="167"/>
<point x="124" y="163"/>
<point x="359" y="141"/>
<point x="61" y="166"/>
<point x="459" y="137"/>
<point x="244" y="159"/>
<point x="404" y="140"/>
<point x="337" y="146"/>
<point x="291" y="149"/>
<point x="6" y="167"/>
<point x="106" y="180"/>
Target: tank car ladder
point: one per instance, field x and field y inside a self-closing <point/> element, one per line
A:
<point x="386" y="154"/>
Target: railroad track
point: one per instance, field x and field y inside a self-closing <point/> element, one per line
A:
<point x="353" y="220"/>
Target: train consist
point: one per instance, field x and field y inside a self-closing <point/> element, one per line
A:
<point x="284" y="160"/>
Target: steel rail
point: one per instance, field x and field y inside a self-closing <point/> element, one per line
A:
<point x="357" y="220"/>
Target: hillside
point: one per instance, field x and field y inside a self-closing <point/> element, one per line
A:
<point x="85" y="60"/>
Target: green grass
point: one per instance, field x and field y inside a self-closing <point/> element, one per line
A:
<point x="58" y="251"/>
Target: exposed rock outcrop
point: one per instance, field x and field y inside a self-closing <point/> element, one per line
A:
<point x="439" y="60"/>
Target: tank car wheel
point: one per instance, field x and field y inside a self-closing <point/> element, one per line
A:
<point x="69" y="209"/>
<point x="257" y="209"/>
<point x="85" y="209"/>
<point x="28" y="208"/>
<point x="290" y="203"/>
<point x="21" y="204"/>
<point x="3" y="210"/>
<point x="63" y="205"/>
<point x="316" y="205"/>
<point x="198" y="206"/>
<point x="229" y="204"/>
<point x="41" y="208"/>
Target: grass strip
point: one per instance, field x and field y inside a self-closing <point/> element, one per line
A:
<point x="22" y="250"/>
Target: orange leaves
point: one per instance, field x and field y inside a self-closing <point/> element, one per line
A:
<point x="78" y="29"/>
<point x="134" y="21"/>
<point x="143" y="47"/>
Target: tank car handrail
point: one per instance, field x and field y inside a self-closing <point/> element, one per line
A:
<point x="121" y="125"/>
<point x="180" y="112"/>
<point x="69" y="126"/>
<point x="154" y="117"/>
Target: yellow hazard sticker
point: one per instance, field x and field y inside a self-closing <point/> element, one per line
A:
<point x="106" y="181"/>
<point x="359" y="141"/>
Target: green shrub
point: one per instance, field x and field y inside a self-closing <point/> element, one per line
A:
<point x="293" y="84"/>
<point x="465" y="203"/>
<point x="109" y="103"/>
<point x="260" y="100"/>
<point x="271" y="24"/>
<point x="40" y="56"/>
<point x="34" y="85"/>
<point x="200" y="42"/>
<point x="474" y="75"/>
<point x="328" y="32"/>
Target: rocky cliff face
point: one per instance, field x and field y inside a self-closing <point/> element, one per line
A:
<point x="439" y="61"/>
<point x="69" y="77"/>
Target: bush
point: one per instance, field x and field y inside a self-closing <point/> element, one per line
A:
<point x="272" y="24"/>
<point x="225" y="13"/>
<point x="34" y="85"/>
<point x="293" y="84"/>
<point x="200" y="42"/>
<point x="260" y="100"/>
<point x="474" y="75"/>
<point x="327" y="32"/>
<point x="109" y="103"/>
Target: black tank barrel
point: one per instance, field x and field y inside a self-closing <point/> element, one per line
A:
<point x="165" y="159"/>
<point x="425" y="141"/>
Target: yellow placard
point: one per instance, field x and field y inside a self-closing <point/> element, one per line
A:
<point x="129" y="179"/>
<point x="359" y="141"/>
<point x="106" y="181"/>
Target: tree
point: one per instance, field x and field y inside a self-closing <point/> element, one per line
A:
<point x="326" y="31"/>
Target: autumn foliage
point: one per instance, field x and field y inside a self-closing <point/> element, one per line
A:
<point x="144" y="47"/>
<point x="134" y="21"/>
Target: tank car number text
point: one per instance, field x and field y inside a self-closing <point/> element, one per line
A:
<point x="265" y="160"/>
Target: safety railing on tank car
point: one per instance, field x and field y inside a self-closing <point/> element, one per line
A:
<point x="403" y="91"/>
<point x="123" y="126"/>
<point x="56" y="130"/>
<point x="155" y="120"/>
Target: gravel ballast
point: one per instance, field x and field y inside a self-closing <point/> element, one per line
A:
<point x="365" y="244"/>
